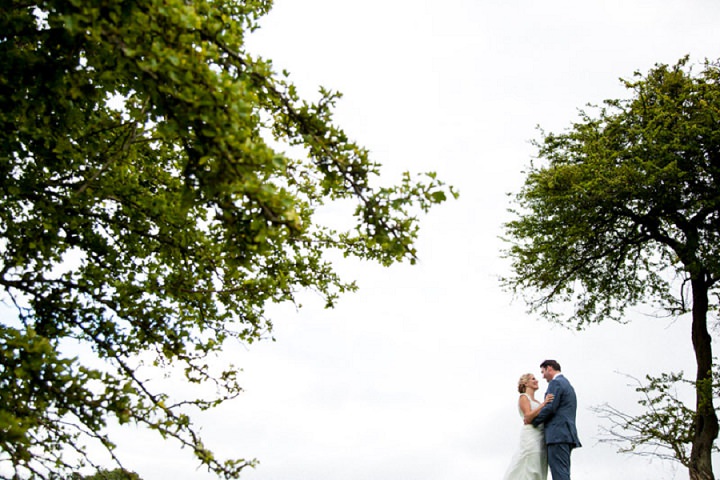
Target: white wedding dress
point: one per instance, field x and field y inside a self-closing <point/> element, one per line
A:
<point x="530" y="459"/>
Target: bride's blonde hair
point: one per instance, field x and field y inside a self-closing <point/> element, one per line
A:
<point x="522" y="383"/>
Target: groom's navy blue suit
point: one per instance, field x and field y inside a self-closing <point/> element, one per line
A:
<point x="560" y="432"/>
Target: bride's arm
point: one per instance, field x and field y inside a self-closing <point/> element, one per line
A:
<point x="528" y="412"/>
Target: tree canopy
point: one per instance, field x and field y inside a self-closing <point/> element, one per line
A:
<point x="623" y="209"/>
<point x="116" y="474"/>
<point x="148" y="211"/>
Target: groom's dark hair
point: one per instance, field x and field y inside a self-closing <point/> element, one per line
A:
<point x="551" y="363"/>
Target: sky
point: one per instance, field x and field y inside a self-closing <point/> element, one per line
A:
<point x="414" y="376"/>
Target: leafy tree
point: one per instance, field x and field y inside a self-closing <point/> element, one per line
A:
<point x="102" y="474"/>
<point x="624" y="209"/>
<point x="149" y="215"/>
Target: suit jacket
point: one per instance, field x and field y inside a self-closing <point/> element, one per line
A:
<point x="559" y="415"/>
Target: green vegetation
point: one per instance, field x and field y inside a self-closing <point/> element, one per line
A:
<point x="149" y="215"/>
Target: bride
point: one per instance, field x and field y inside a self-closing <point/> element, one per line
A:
<point x="530" y="459"/>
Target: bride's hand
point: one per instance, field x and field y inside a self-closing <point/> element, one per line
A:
<point x="548" y="398"/>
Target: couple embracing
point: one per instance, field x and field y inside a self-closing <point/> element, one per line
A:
<point x="549" y="434"/>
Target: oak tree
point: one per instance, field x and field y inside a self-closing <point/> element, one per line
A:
<point x="623" y="209"/>
<point x="149" y="214"/>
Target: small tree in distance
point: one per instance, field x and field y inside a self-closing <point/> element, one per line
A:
<point x="116" y="474"/>
<point x="145" y="217"/>
<point x="624" y="209"/>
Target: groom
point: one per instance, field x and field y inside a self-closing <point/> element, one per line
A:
<point x="558" y="417"/>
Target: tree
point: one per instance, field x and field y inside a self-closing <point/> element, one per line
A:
<point x="117" y="474"/>
<point x="149" y="215"/>
<point x="624" y="209"/>
<point x="665" y="428"/>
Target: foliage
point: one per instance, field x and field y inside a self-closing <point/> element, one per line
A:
<point x="117" y="474"/>
<point x="665" y="429"/>
<point x="623" y="209"/>
<point x="148" y="214"/>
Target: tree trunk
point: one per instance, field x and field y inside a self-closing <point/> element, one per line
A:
<point x="706" y="420"/>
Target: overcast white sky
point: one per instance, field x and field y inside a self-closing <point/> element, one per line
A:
<point x="414" y="376"/>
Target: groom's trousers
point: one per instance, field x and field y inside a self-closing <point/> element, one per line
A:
<point x="559" y="460"/>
